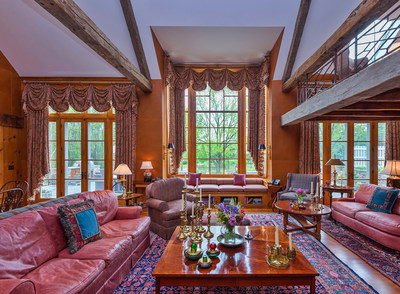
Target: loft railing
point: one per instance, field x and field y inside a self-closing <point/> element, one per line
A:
<point x="379" y="39"/>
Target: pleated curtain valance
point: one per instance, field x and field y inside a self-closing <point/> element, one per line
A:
<point x="36" y="99"/>
<point x="254" y="78"/>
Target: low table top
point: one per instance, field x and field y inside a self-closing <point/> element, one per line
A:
<point x="284" y="205"/>
<point x="244" y="261"/>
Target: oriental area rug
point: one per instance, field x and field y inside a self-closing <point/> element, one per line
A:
<point x="383" y="259"/>
<point x="335" y="276"/>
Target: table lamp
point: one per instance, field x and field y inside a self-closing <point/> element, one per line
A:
<point x="392" y="169"/>
<point x="334" y="161"/>
<point x="123" y="170"/>
<point x="147" y="174"/>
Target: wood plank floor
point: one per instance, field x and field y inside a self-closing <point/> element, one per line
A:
<point x="378" y="281"/>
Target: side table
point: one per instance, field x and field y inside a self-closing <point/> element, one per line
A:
<point x="274" y="189"/>
<point x="131" y="196"/>
<point x="337" y="189"/>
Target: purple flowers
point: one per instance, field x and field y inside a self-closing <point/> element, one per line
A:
<point x="235" y="210"/>
<point x="232" y="221"/>
<point x="230" y="214"/>
<point x="221" y="207"/>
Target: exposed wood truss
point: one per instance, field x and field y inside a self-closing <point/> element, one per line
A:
<point x="69" y="14"/>
<point x="360" y="18"/>
<point x="135" y="37"/>
<point x="298" y="32"/>
<point x="376" y="79"/>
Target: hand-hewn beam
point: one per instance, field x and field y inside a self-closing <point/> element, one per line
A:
<point x="360" y="18"/>
<point x="135" y="36"/>
<point x="370" y="113"/>
<point x="355" y="118"/>
<point x="371" y="106"/>
<point x="297" y="33"/>
<point x="377" y="78"/>
<point x="73" y="18"/>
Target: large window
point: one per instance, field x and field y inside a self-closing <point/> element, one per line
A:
<point x="82" y="151"/>
<point x="216" y="132"/>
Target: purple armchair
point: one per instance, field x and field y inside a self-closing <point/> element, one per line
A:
<point x="164" y="202"/>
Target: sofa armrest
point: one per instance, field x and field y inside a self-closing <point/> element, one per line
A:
<point x="17" y="286"/>
<point x="190" y="197"/>
<point x="157" y="204"/>
<point x="346" y="199"/>
<point x="128" y="212"/>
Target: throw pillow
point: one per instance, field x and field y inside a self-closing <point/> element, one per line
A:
<point x="80" y="224"/>
<point x="294" y="189"/>
<point x="383" y="200"/>
<point x="239" y="179"/>
<point x="193" y="177"/>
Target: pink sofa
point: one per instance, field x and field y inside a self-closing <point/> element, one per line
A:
<point x="34" y="257"/>
<point x="382" y="227"/>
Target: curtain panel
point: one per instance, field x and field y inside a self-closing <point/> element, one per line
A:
<point x="392" y="141"/>
<point x="38" y="96"/>
<point x="309" y="148"/>
<point x="254" y="78"/>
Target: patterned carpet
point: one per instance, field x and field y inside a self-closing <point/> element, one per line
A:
<point x="383" y="259"/>
<point x="335" y="276"/>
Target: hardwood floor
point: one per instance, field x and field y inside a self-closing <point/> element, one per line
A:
<point x="378" y="281"/>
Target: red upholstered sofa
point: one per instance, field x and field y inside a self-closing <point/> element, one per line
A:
<point x="34" y="257"/>
<point x="382" y="227"/>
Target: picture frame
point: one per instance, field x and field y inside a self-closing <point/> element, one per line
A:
<point x="275" y="181"/>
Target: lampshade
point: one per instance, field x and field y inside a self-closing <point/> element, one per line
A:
<point x="122" y="170"/>
<point x="171" y="146"/>
<point x="334" y="161"/>
<point x="146" y="165"/>
<point x="261" y="147"/>
<point x="392" y="168"/>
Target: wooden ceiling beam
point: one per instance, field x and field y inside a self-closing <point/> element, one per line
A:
<point x="73" y="18"/>
<point x="135" y="37"/>
<point x="360" y="18"/>
<point x="297" y="33"/>
<point x="358" y="118"/>
<point x="377" y="113"/>
<point x="372" y="106"/>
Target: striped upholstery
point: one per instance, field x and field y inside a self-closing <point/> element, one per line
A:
<point x="297" y="181"/>
<point x="37" y="206"/>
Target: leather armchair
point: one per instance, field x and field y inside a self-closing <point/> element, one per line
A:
<point x="164" y="202"/>
<point x="296" y="181"/>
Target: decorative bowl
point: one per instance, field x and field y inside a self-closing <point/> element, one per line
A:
<point x="239" y="240"/>
<point x="193" y="255"/>
<point x="204" y="262"/>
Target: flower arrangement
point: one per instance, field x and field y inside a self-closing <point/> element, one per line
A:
<point x="231" y="214"/>
<point x="300" y="195"/>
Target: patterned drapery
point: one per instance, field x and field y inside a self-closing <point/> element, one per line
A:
<point x="392" y="141"/>
<point x="309" y="148"/>
<point x="38" y="96"/>
<point x="254" y="78"/>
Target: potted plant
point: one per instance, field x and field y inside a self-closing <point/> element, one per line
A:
<point x="229" y="216"/>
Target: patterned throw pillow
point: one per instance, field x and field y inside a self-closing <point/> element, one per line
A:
<point x="293" y="189"/>
<point x="80" y="224"/>
<point x="383" y="200"/>
<point x="193" y="177"/>
<point x="239" y="179"/>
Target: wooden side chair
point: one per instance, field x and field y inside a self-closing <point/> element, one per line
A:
<point x="23" y="185"/>
<point x="10" y="199"/>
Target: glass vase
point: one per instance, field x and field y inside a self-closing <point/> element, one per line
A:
<point x="229" y="233"/>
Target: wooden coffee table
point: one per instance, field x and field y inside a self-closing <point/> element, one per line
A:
<point x="243" y="266"/>
<point x="284" y="206"/>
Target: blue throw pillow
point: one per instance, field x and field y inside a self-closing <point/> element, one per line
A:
<point x="383" y="200"/>
<point x="87" y="222"/>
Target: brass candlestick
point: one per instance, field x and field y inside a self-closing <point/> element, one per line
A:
<point x="276" y="258"/>
<point x="196" y="236"/>
<point x="202" y="230"/>
<point x="182" y="236"/>
<point x="192" y="233"/>
<point x="318" y="205"/>
<point x="312" y="207"/>
<point x="208" y="234"/>
<point x="186" y="228"/>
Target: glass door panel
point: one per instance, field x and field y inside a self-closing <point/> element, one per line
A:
<point x="362" y="153"/>
<point x="73" y="157"/>
<point x="96" y="152"/>
<point x="381" y="153"/>
<point x="49" y="187"/>
<point x="339" y="150"/>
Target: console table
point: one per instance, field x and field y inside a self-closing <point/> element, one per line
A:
<point x="337" y="189"/>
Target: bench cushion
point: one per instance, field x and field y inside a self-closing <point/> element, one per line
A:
<point x="208" y="188"/>
<point x="231" y="188"/>
<point x="255" y="188"/>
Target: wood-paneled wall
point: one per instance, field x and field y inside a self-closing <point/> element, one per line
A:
<point x="12" y="140"/>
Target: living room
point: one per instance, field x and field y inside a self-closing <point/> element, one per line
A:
<point x="199" y="146"/>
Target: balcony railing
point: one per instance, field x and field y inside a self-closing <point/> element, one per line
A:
<point x="379" y="39"/>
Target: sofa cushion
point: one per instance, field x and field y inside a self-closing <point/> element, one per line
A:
<point x="25" y="243"/>
<point x="225" y="181"/>
<point x="349" y="208"/>
<point x="383" y="200"/>
<point x="131" y="227"/>
<point x="254" y="181"/>
<point x="106" y="249"/>
<point x="105" y="204"/>
<point x="239" y="179"/>
<point x="208" y="188"/>
<point x="80" y="224"/>
<point x="168" y="189"/>
<point x="65" y="275"/>
<point x="230" y="188"/>
<point x="255" y="188"/>
<point x="389" y="223"/>
<point x="53" y="223"/>
<point x="211" y="181"/>
<point x="194" y="179"/>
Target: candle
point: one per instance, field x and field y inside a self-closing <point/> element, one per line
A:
<point x="197" y="184"/>
<point x="193" y="210"/>
<point x="182" y="200"/>
<point x="276" y="236"/>
<point x="209" y="200"/>
<point x="312" y="188"/>
<point x="290" y="241"/>
<point x="201" y="194"/>
<point x="317" y="189"/>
